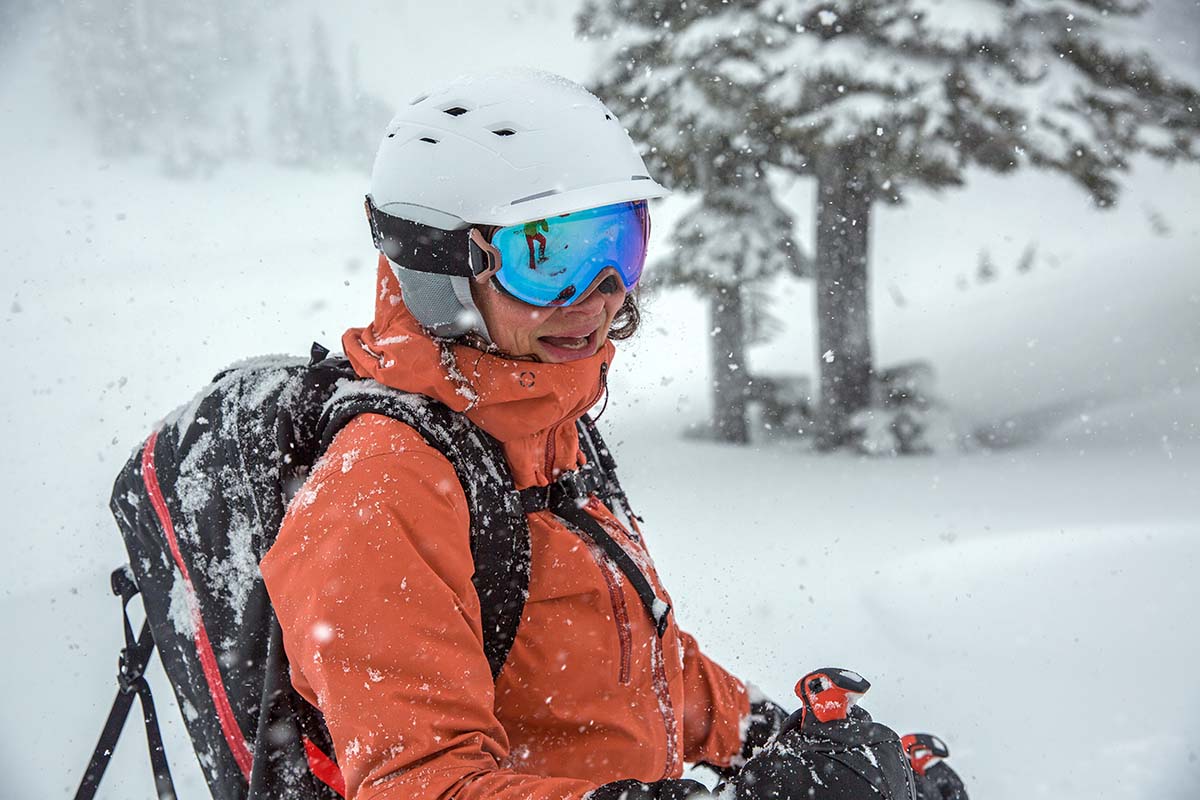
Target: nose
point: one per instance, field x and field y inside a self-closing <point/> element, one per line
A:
<point x="606" y="283"/>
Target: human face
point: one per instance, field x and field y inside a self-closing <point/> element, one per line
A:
<point x="554" y="334"/>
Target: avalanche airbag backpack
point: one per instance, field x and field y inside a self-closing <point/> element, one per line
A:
<point x="198" y="506"/>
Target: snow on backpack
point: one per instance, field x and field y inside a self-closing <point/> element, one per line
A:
<point x="198" y="506"/>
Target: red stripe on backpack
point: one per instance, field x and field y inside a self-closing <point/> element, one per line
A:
<point x="208" y="660"/>
<point x="324" y="767"/>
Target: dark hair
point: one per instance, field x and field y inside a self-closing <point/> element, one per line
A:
<point x="627" y="319"/>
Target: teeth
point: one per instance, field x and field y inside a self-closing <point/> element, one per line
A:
<point x="573" y="344"/>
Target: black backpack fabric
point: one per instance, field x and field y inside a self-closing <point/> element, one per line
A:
<point x="199" y="505"/>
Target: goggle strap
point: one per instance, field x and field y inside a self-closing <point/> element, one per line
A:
<point x="414" y="246"/>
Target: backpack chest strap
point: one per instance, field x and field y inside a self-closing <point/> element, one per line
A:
<point x="576" y="484"/>
<point x="565" y="498"/>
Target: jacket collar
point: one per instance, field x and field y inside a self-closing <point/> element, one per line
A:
<point x="510" y="399"/>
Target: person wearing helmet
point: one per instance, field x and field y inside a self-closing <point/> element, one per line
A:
<point x="602" y="695"/>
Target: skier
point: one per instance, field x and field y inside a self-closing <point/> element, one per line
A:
<point x="371" y="572"/>
<point x="601" y="696"/>
<point x="533" y="233"/>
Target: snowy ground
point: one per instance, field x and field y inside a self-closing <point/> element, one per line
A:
<point x="1035" y="606"/>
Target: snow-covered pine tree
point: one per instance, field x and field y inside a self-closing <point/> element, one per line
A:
<point x="727" y="243"/>
<point x="104" y="76"/>
<point x="185" y="73"/>
<point x="883" y="95"/>
<point x="241" y="147"/>
<point x="872" y="97"/>
<point x="147" y="76"/>
<point x="324" y="110"/>
<point x="286" y="120"/>
<point x="365" y="119"/>
<point x="686" y="83"/>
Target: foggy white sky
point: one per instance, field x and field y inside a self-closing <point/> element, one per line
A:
<point x="406" y="44"/>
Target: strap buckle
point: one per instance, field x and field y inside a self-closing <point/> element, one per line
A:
<point x="131" y="665"/>
<point x="129" y="672"/>
<point x="573" y="485"/>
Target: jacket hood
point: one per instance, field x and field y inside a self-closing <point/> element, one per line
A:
<point x="523" y="404"/>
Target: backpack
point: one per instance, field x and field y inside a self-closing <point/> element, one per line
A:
<point x="199" y="504"/>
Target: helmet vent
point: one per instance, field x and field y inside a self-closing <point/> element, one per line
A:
<point x="427" y="139"/>
<point x="504" y="132"/>
<point x="456" y="111"/>
<point x="608" y="116"/>
<point x="418" y="99"/>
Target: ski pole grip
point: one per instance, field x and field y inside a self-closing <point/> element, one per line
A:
<point x="829" y="693"/>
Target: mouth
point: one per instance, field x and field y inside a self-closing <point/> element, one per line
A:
<point x="575" y="344"/>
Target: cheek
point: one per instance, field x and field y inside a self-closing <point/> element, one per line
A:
<point x="509" y="321"/>
<point x="530" y="319"/>
<point x="519" y="326"/>
<point x="614" y="304"/>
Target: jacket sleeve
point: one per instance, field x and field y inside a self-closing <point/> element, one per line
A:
<point x="370" y="577"/>
<point x="716" y="708"/>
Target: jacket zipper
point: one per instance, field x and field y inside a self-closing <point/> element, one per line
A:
<point x="661" y="687"/>
<point x="620" y="613"/>
<point x="662" y="691"/>
<point x="659" y="682"/>
<point x="550" y="445"/>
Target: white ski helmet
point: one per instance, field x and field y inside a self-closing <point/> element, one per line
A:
<point x="507" y="147"/>
<point x="498" y="149"/>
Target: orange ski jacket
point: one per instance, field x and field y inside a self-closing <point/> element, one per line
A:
<point x="371" y="580"/>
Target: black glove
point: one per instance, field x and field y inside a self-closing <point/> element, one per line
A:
<point x="940" y="783"/>
<point x="680" y="789"/>
<point x="765" y="720"/>
<point x="826" y="752"/>
<point x="935" y="780"/>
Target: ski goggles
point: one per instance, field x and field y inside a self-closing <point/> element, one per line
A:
<point x="544" y="262"/>
<point x="552" y="261"/>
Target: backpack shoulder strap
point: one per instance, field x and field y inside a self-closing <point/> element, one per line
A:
<point x="499" y="531"/>
<point x="603" y="467"/>
<point x="131" y="680"/>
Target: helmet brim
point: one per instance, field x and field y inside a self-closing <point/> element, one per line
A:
<point x="553" y="204"/>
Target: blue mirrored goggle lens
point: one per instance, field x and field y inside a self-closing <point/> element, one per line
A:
<point x="552" y="261"/>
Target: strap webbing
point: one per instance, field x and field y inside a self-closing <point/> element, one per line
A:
<point x="598" y="454"/>
<point x="564" y="498"/>
<point x="131" y="680"/>
<point x="500" y="544"/>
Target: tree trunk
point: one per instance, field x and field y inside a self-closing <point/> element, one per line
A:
<point x="729" y="376"/>
<point x="843" y="319"/>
